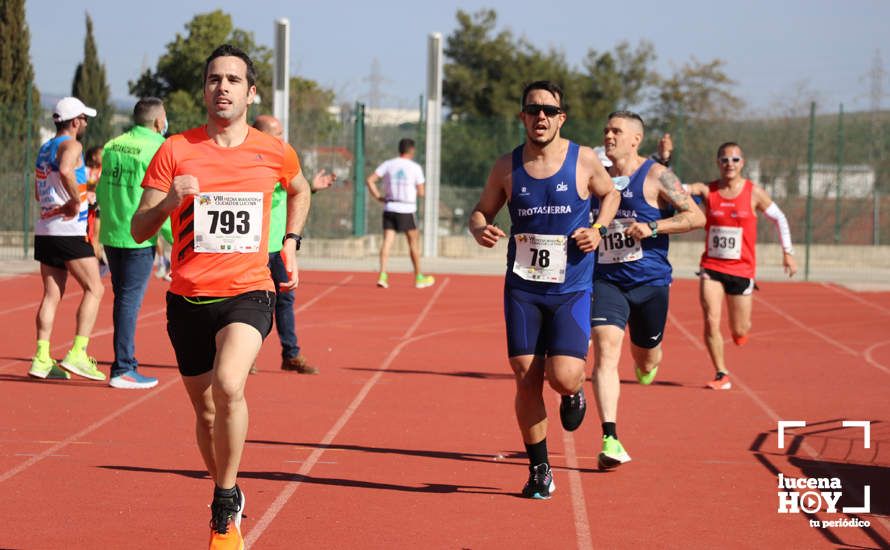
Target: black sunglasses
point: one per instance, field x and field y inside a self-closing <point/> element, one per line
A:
<point x="725" y="160"/>
<point x="535" y="109"/>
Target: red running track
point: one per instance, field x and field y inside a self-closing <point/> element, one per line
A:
<point x="407" y="437"/>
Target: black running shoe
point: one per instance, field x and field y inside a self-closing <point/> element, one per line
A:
<point x="225" y="520"/>
<point x="540" y="483"/>
<point x="572" y="409"/>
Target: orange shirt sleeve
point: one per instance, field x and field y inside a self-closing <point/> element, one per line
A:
<point x="290" y="167"/>
<point x="161" y="169"/>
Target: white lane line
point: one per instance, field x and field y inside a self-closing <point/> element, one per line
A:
<point x="287" y="492"/>
<point x="579" y="504"/>
<point x="855" y="297"/>
<point x="781" y="313"/>
<point x="770" y="412"/>
<point x="89" y="429"/>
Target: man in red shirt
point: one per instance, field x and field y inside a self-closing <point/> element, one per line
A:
<point x="728" y="263"/>
<point x="215" y="182"/>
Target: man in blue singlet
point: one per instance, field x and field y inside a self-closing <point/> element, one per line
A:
<point x="633" y="275"/>
<point x="548" y="183"/>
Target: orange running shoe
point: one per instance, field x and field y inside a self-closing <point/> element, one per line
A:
<point x="721" y="382"/>
<point x="225" y="522"/>
<point x="740" y="340"/>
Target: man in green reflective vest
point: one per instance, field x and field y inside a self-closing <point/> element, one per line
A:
<point x="118" y="193"/>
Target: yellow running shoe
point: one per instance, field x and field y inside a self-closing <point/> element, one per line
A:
<point x="82" y="365"/>
<point x="47" y="369"/>
<point x="423" y="281"/>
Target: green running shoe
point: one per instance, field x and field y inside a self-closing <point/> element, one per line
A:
<point x="82" y="365"/>
<point x="645" y="378"/>
<point x="613" y="454"/>
<point x="423" y="281"/>
<point x="383" y="280"/>
<point x="48" y="370"/>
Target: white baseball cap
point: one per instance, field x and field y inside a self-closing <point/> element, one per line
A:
<point x="70" y="107"/>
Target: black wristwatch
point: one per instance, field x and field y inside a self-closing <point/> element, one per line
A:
<point x="653" y="225"/>
<point x="297" y="238"/>
<point x="603" y="230"/>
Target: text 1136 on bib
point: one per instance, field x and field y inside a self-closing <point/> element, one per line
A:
<point x="616" y="247"/>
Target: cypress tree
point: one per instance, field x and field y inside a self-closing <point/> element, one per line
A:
<point x="16" y="82"/>
<point x="91" y="87"/>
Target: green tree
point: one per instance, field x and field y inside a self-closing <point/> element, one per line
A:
<point x="696" y="104"/>
<point x="18" y="118"/>
<point x="311" y="124"/>
<point x="178" y="78"/>
<point x="91" y="87"/>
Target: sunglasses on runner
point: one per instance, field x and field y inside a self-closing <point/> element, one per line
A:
<point x="535" y="109"/>
<point x="735" y="160"/>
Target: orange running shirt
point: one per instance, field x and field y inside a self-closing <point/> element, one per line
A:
<point x="255" y="167"/>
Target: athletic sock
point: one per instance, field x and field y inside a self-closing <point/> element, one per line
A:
<point x="219" y="492"/>
<point x="80" y="344"/>
<point x="721" y="374"/>
<point x="42" y="350"/>
<point x="537" y="453"/>
<point x="610" y="429"/>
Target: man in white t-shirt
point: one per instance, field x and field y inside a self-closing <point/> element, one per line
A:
<point x="402" y="184"/>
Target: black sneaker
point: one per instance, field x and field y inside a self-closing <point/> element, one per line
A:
<point x="572" y="409"/>
<point x="225" y="519"/>
<point x="540" y="482"/>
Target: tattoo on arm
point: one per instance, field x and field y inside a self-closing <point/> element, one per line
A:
<point x="672" y="189"/>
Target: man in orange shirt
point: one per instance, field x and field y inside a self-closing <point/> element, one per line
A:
<point x="215" y="182"/>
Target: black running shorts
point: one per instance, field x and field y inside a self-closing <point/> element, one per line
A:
<point x="642" y="309"/>
<point x="398" y="221"/>
<point x="55" y="251"/>
<point x="732" y="284"/>
<point x="192" y="327"/>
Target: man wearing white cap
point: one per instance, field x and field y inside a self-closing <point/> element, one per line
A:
<point x="60" y="242"/>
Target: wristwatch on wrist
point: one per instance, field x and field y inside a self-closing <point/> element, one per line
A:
<point x="602" y="229"/>
<point x="653" y="225"/>
<point x="297" y="238"/>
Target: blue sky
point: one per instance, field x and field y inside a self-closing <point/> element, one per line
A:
<point x="773" y="49"/>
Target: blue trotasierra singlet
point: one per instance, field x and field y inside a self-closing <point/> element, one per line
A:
<point x="549" y="206"/>
<point x="653" y="268"/>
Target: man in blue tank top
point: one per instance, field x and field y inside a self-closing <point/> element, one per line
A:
<point x="633" y="274"/>
<point x="547" y="183"/>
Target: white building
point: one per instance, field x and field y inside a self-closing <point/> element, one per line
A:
<point x="857" y="181"/>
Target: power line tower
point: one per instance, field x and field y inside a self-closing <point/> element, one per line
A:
<point x="375" y="82"/>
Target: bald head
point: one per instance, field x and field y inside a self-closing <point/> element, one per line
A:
<point x="270" y="125"/>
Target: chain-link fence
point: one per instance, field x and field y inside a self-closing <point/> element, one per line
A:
<point x="19" y="141"/>
<point x="848" y="171"/>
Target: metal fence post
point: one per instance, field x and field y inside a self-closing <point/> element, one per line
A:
<point x="840" y="172"/>
<point x="28" y="171"/>
<point x="809" y="218"/>
<point x="358" y="204"/>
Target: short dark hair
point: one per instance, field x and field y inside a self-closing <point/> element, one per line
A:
<point x="145" y="110"/>
<point x="63" y="125"/>
<point x="726" y="145"/>
<point x="405" y="145"/>
<point x="88" y="156"/>
<point x="549" y="86"/>
<point x="629" y="115"/>
<point x="228" y="50"/>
